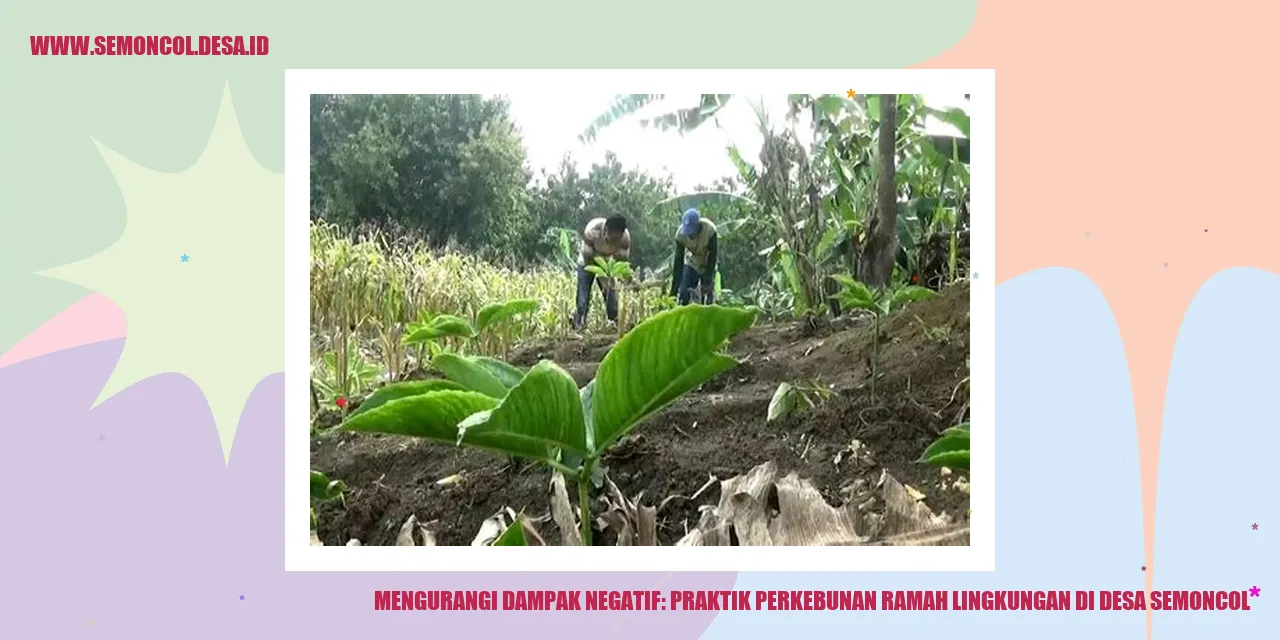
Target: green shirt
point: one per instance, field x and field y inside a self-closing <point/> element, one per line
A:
<point x="697" y="249"/>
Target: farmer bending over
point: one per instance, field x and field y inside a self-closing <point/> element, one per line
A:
<point x="695" y="264"/>
<point x="604" y="239"/>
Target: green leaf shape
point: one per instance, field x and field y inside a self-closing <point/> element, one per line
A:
<point x="507" y="374"/>
<point x="592" y="269"/>
<point x="699" y="199"/>
<point x="441" y="326"/>
<point x="398" y="390"/>
<point x="541" y="414"/>
<point x="855" y="295"/>
<point x="911" y="294"/>
<point x="499" y="311"/>
<point x="947" y="444"/>
<point x="658" y="361"/>
<point x="476" y="374"/>
<point x="958" y="460"/>
<point x="323" y="489"/>
<point x="955" y="116"/>
<point x="513" y="536"/>
<point x="623" y="105"/>
<point x="783" y="402"/>
<point x="433" y="415"/>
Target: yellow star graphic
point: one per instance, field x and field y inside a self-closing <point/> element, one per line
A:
<point x="851" y="93"/>
<point x="216" y="315"/>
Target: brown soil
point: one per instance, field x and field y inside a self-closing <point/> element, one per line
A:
<point x="720" y="429"/>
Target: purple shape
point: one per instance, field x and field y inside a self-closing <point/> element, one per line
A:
<point x="156" y="530"/>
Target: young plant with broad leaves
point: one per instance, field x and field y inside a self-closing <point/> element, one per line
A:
<point x="950" y="450"/>
<point x="324" y="490"/>
<point x="786" y="400"/>
<point x="610" y="272"/>
<point x="542" y="415"/>
<point x="879" y="303"/>
<point x="430" y="330"/>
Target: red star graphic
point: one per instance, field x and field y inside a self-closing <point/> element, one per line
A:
<point x="342" y="403"/>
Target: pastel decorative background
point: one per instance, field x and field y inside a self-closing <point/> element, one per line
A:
<point x="1136" y="308"/>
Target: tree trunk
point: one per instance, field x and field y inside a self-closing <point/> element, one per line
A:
<point x="882" y="241"/>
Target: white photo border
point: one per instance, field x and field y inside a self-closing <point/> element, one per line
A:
<point x="300" y="556"/>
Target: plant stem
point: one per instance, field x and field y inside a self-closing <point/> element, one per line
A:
<point x="584" y="501"/>
<point x="875" y="354"/>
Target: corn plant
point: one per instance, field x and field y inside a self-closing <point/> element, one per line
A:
<point x="879" y="303"/>
<point x="542" y="415"/>
<point x="951" y="449"/>
<point x="360" y="374"/>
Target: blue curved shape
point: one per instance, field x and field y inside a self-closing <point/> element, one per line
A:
<point x="1217" y="451"/>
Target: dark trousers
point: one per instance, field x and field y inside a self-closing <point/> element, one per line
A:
<point x="585" y="279"/>
<point x="690" y="283"/>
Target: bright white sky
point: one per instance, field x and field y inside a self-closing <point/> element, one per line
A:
<point x="550" y="124"/>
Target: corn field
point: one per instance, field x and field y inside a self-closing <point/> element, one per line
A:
<point x="367" y="287"/>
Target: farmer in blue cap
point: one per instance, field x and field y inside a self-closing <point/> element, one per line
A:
<point x="695" y="263"/>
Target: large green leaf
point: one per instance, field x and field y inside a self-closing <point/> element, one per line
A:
<point x="658" y="361"/>
<point x="433" y="415"/>
<point x="471" y="373"/>
<point x="686" y="120"/>
<point x="745" y="170"/>
<point x="499" y="311"/>
<point x="541" y="414"/>
<point x="955" y="442"/>
<point x="958" y="460"/>
<point x="950" y="147"/>
<point x="701" y="199"/>
<point x="507" y="374"/>
<point x="955" y="116"/>
<point x="623" y="105"/>
<point x="398" y="390"/>
<point x="440" y="326"/>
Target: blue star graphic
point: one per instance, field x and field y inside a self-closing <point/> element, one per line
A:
<point x="242" y="597"/>
<point x="184" y="257"/>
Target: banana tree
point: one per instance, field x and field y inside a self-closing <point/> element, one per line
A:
<point x="541" y="414"/>
<point x="879" y="303"/>
<point x="682" y="120"/>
